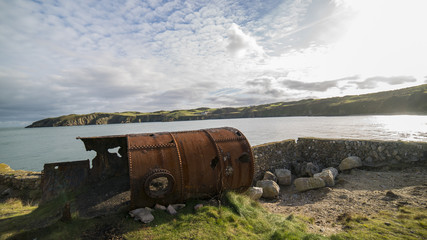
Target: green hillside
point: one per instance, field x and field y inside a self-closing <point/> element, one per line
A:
<point x="411" y="100"/>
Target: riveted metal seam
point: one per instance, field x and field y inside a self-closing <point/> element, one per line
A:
<point x="230" y="139"/>
<point x="221" y="163"/>
<point x="167" y="145"/>
<point x="132" y="202"/>
<point x="181" y="173"/>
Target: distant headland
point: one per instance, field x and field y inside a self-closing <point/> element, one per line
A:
<point x="411" y="100"/>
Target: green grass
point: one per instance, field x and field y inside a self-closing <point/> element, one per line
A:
<point x="237" y="218"/>
<point x="405" y="223"/>
<point x="403" y="101"/>
<point x="17" y="217"/>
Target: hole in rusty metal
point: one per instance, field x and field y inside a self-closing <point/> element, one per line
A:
<point x="238" y="133"/>
<point x="115" y="150"/>
<point x="158" y="183"/>
<point x="214" y="162"/>
<point x="244" y="157"/>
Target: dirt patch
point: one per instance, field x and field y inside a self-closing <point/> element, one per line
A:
<point x="104" y="198"/>
<point x="358" y="192"/>
<point x="106" y="231"/>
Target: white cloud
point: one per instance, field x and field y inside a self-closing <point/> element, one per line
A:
<point x="79" y="57"/>
<point x="241" y="44"/>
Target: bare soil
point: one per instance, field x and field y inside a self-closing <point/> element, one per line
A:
<point x="356" y="192"/>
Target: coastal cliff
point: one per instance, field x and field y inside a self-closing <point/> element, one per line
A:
<point x="403" y="101"/>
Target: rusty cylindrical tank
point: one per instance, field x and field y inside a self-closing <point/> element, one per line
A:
<point x="171" y="167"/>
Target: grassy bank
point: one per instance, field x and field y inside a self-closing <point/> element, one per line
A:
<point x="237" y="218"/>
<point x="403" y="101"/>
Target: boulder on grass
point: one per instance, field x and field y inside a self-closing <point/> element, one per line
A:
<point x="270" y="189"/>
<point x="254" y="193"/>
<point x="350" y="163"/>
<point x="304" y="184"/>
<point x="142" y="214"/>
<point x="284" y="176"/>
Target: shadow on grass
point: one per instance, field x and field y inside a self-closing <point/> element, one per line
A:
<point x="238" y="217"/>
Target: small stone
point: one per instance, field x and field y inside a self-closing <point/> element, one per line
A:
<point x="213" y="202"/>
<point x="381" y="148"/>
<point x="178" y="206"/>
<point x="327" y="176"/>
<point x="343" y="196"/>
<point x="171" y="210"/>
<point x="198" y="206"/>
<point x="142" y="214"/>
<point x="304" y="184"/>
<point x="160" y="207"/>
<point x="269" y="176"/>
<point x="333" y="170"/>
<point x="270" y="189"/>
<point x="311" y="169"/>
<point x="349" y="163"/>
<point x="6" y="192"/>
<point x="254" y="193"/>
<point x="284" y="176"/>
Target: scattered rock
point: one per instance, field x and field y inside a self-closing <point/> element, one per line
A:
<point x="171" y="210"/>
<point x="178" y="206"/>
<point x="327" y="176"/>
<point x="7" y="192"/>
<point x="284" y="176"/>
<point x="142" y="214"/>
<point x="311" y="169"/>
<point x="390" y="196"/>
<point x="160" y="207"/>
<point x="198" y="206"/>
<point x="254" y="193"/>
<point x="213" y="202"/>
<point x="269" y="176"/>
<point x="343" y="196"/>
<point x="304" y="184"/>
<point x="333" y="170"/>
<point x="270" y="189"/>
<point x="349" y="163"/>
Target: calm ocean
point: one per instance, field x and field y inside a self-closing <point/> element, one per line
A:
<point x="29" y="149"/>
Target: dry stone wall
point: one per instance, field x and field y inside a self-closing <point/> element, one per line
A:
<point x="271" y="156"/>
<point x="294" y="155"/>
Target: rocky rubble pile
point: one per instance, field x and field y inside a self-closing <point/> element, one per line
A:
<point x="269" y="186"/>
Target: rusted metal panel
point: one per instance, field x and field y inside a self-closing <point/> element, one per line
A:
<point x="63" y="177"/>
<point x="170" y="167"/>
<point x="163" y="168"/>
<point x="107" y="164"/>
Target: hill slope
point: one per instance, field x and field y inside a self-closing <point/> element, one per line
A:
<point x="411" y="100"/>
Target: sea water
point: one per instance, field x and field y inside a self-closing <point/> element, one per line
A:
<point x="30" y="148"/>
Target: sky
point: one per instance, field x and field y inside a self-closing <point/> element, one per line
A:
<point x="82" y="56"/>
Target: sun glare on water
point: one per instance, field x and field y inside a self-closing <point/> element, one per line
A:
<point x="405" y="126"/>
